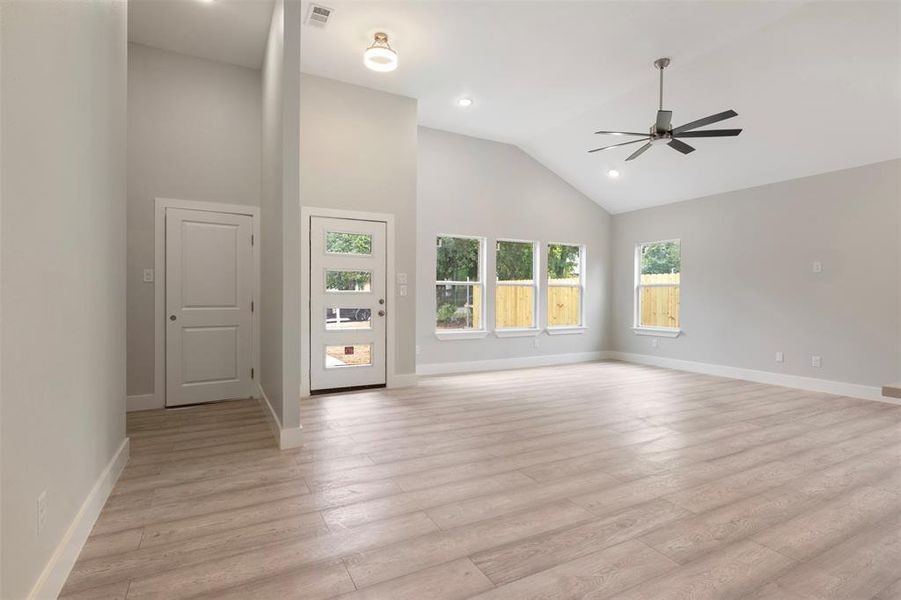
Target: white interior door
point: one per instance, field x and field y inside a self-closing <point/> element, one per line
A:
<point x="348" y="305"/>
<point x="209" y="289"/>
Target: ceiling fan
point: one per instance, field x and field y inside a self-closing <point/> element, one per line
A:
<point x="662" y="131"/>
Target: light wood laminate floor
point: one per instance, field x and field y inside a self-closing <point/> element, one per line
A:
<point x="597" y="480"/>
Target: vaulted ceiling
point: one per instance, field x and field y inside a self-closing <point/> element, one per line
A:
<point x="817" y="85"/>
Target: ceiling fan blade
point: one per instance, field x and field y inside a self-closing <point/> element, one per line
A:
<point x="680" y="146"/>
<point x="638" y="152"/>
<point x="708" y="133"/>
<point x="615" y="145"/>
<point x="622" y="133"/>
<point x="728" y="114"/>
<point x="664" y="120"/>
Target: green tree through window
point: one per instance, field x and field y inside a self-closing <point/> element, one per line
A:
<point x="348" y="243"/>
<point x="458" y="259"/>
<point x="562" y="261"/>
<point x="661" y="257"/>
<point x="514" y="261"/>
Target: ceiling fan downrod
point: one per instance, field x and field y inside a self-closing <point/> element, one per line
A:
<point x="661" y="63"/>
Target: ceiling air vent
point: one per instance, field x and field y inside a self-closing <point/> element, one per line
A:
<point x="318" y="15"/>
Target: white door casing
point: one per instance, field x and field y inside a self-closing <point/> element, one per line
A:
<point x="348" y="303"/>
<point x="209" y="321"/>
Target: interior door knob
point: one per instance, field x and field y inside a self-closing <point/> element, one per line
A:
<point x="381" y="313"/>
<point x="381" y="300"/>
<point x="171" y="317"/>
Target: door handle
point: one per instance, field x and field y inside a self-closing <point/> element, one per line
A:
<point x="381" y="313"/>
<point x="171" y="317"/>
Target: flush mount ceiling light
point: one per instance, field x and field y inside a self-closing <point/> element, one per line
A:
<point x="464" y="102"/>
<point x="379" y="56"/>
<point x="612" y="173"/>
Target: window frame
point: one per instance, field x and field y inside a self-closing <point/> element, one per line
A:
<point x="463" y="334"/>
<point x="637" y="327"/>
<point x="581" y="326"/>
<point x="534" y="329"/>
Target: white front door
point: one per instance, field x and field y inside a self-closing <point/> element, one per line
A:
<point x="348" y="305"/>
<point x="209" y="288"/>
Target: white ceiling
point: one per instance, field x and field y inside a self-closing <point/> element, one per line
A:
<point x="233" y="31"/>
<point x="817" y="85"/>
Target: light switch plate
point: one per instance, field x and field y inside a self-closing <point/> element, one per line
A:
<point x="148" y="275"/>
<point x="403" y="290"/>
<point x="780" y="357"/>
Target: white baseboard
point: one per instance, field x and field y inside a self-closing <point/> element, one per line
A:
<point x="500" y="364"/>
<point x="54" y="575"/>
<point x="402" y="380"/>
<point x="286" y="438"/>
<point x="143" y="402"/>
<point x="853" y="390"/>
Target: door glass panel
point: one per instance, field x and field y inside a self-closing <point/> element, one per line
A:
<point x="337" y="242"/>
<point x="355" y="355"/>
<point x="348" y="281"/>
<point x="347" y="318"/>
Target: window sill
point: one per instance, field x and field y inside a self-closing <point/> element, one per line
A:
<point x="657" y="331"/>
<point x="461" y="334"/>
<point x="527" y="332"/>
<point x="565" y="330"/>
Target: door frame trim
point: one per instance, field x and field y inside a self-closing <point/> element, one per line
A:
<point x="306" y="213"/>
<point x="159" y="286"/>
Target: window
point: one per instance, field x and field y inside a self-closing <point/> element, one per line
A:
<point x="658" y="266"/>
<point x="458" y="284"/>
<point x="516" y="293"/>
<point x="337" y="242"/>
<point x="348" y="281"/>
<point x="565" y="283"/>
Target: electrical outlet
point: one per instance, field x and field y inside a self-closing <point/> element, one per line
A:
<point x="780" y="357"/>
<point x="817" y="267"/>
<point x="401" y="278"/>
<point x="418" y="349"/>
<point x="653" y="342"/>
<point x="816" y="361"/>
<point x="148" y="275"/>
<point x="42" y="511"/>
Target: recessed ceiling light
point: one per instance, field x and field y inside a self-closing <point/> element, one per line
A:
<point x="612" y="173"/>
<point x="464" y="102"/>
<point x="380" y="56"/>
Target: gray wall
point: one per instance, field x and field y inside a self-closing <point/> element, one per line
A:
<point x="193" y="134"/>
<point x="271" y="215"/>
<point x="471" y="186"/>
<point x="63" y="267"/>
<point x="280" y="227"/>
<point x="358" y="152"/>
<point x="748" y="290"/>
